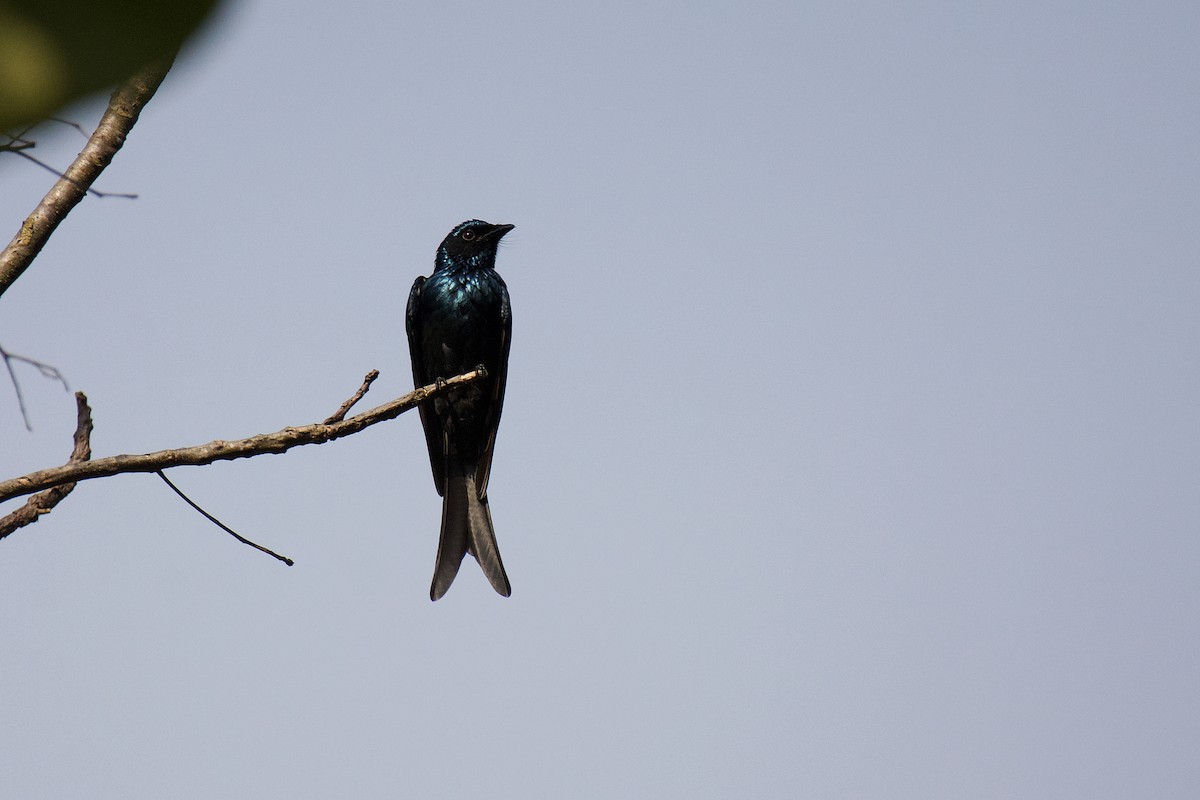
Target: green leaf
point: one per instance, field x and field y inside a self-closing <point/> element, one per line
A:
<point x="53" y="52"/>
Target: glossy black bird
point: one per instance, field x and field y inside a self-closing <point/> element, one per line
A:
<point x="458" y="318"/>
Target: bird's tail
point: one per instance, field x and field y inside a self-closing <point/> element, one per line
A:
<point x="466" y="528"/>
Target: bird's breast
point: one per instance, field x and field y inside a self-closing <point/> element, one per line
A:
<point x="467" y="294"/>
<point x="462" y="313"/>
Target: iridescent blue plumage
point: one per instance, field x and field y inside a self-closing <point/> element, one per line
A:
<point x="458" y="318"/>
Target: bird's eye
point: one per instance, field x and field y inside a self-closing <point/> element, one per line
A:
<point x="468" y="235"/>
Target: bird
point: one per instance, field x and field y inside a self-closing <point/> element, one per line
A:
<point x="457" y="319"/>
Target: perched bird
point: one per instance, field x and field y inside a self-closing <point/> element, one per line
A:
<point x="458" y="318"/>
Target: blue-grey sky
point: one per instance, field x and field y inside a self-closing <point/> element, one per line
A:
<point x="851" y="445"/>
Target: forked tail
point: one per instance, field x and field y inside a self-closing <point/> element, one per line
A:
<point x="466" y="528"/>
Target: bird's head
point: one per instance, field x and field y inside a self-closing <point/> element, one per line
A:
<point x="472" y="244"/>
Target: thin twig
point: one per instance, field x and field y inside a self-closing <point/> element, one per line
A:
<point x="220" y="524"/>
<point x="17" y="145"/>
<point x="61" y="176"/>
<point x="12" y="374"/>
<point x="123" y="110"/>
<point x="69" y="124"/>
<point x="46" y="370"/>
<point x="23" y="139"/>
<point x="43" y="501"/>
<point x="340" y="414"/>
<point x="221" y="450"/>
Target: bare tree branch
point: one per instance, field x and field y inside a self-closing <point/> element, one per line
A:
<point x="340" y="414"/>
<point x="90" y="190"/>
<point x="42" y="502"/>
<point x="220" y="450"/>
<point x="123" y="110"/>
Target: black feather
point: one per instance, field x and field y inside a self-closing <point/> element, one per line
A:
<point x="458" y="318"/>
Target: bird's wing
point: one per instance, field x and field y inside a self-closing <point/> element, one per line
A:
<point x="429" y="421"/>
<point x="484" y="469"/>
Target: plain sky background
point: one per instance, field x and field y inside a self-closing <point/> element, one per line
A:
<point x="852" y="439"/>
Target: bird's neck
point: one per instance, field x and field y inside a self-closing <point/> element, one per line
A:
<point x="467" y="266"/>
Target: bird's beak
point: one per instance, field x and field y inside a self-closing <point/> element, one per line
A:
<point x="497" y="232"/>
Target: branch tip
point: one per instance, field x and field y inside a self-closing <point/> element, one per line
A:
<point x="340" y="414"/>
<point x="41" y="503"/>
